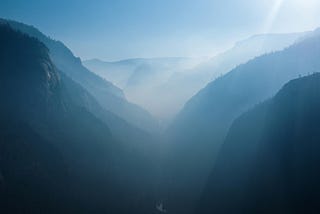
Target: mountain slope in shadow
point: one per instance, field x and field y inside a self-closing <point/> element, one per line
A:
<point x="269" y="162"/>
<point x="201" y="127"/>
<point x="57" y="157"/>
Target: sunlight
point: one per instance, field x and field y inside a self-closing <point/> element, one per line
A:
<point x="291" y="14"/>
<point x="272" y="15"/>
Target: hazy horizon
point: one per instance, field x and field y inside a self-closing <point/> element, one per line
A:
<point x="116" y="30"/>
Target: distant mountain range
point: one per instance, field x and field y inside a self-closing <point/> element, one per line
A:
<point x="246" y="50"/>
<point x="127" y="72"/>
<point x="108" y="96"/>
<point x="269" y="162"/>
<point x="163" y="85"/>
<point x="144" y="81"/>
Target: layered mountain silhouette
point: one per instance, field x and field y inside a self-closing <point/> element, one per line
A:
<point x="56" y="156"/>
<point x="145" y="81"/>
<point x="70" y="142"/>
<point x="164" y="85"/>
<point x="133" y="72"/>
<point x="269" y="162"/>
<point x="109" y="96"/>
<point x="245" y="50"/>
<point x="201" y="127"/>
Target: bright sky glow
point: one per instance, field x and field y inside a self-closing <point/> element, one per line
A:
<point x="117" y="29"/>
<point x="273" y="15"/>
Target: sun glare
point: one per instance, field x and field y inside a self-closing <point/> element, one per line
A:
<point x="272" y="15"/>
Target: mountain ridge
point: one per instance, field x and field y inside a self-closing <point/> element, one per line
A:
<point x="109" y="97"/>
<point x="178" y="79"/>
<point x="206" y="118"/>
<point x="54" y="150"/>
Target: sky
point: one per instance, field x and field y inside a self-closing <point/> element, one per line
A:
<point x="119" y="29"/>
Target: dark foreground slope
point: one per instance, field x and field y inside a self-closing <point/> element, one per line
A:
<point x="270" y="161"/>
<point x="107" y="95"/>
<point x="55" y="156"/>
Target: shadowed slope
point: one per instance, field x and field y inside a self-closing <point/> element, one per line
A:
<point x="269" y="162"/>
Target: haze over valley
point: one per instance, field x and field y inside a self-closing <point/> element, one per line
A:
<point x="153" y="107"/>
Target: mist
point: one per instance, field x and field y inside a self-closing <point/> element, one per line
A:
<point x="163" y="85"/>
<point x="178" y="107"/>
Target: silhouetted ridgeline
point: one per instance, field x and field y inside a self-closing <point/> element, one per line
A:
<point x="201" y="127"/>
<point x="270" y="161"/>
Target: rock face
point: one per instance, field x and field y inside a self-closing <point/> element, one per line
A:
<point x="107" y="95"/>
<point x="55" y="156"/>
<point x="269" y="162"/>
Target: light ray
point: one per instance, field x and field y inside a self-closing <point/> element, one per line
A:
<point x="272" y="15"/>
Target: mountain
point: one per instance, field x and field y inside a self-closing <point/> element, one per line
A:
<point x="108" y="96"/>
<point x="228" y="96"/>
<point x="269" y="162"/>
<point x="144" y="81"/>
<point x="201" y="127"/>
<point x="188" y="83"/>
<point x="163" y="85"/>
<point x="127" y="72"/>
<point x="56" y="156"/>
<point x="246" y="50"/>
